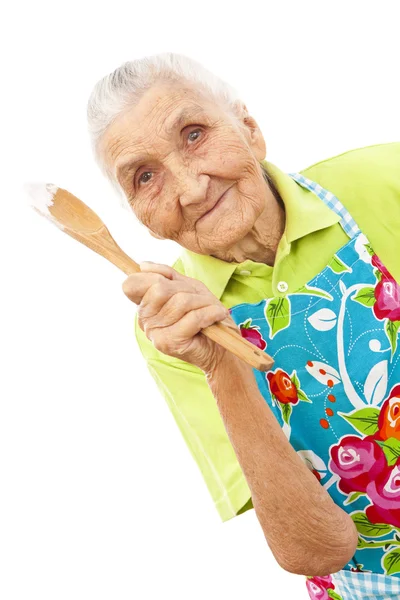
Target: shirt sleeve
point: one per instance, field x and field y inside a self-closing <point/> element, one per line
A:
<point x="185" y="389"/>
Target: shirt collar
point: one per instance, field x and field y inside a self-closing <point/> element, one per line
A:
<point x="305" y="213"/>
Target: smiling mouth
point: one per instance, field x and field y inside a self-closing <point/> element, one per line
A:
<point x="215" y="205"/>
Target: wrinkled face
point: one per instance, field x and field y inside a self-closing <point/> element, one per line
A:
<point x="189" y="168"/>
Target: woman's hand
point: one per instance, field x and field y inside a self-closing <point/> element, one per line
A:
<point x="173" y="309"/>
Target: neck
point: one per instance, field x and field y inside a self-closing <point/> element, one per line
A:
<point x="261" y="242"/>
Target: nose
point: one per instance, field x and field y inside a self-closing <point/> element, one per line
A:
<point x="192" y="188"/>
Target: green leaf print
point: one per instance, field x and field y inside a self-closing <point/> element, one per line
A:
<point x="369" y="249"/>
<point x="364" y="420"/>
<point x="286" y="411"/>
<point x="353" y="497"/>
<point x="277" y="313"/>
<point x="391" y="330"/>
<point x="378" y="274"/>
<point x="360" y="542"/>
<point x="365" y="527"/>
<point x="391" y="562"/>
<point x="338" y="266"/>
<point x="391" y="449"/>
<point x="333" y="594"/>
<point x="302" y="396"/>
<point x="246" y="324"/>
<point x="295" y="380"/>
<point x="307" y="290"/>
<point x="365" y="296"/>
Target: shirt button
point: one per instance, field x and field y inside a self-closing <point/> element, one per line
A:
<point x="282" y="286"/>
<point x="244" y="272"/>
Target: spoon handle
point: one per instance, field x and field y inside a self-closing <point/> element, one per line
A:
<point x="103" y="243"/>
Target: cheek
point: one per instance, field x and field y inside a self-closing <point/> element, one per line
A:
<point x="161" y="215"/>
<point x="144" y="213"/>
<point x="225" y="154"/>
<point x="251" y="193"/>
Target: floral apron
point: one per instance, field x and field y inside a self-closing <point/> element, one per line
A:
<point x="335" y="390"/>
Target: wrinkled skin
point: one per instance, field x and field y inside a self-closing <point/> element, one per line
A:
<point x="173" y="309"/>
<point x="182" y="172"/>
<point x="186" y="170"/>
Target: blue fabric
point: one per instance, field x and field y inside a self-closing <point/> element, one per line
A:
<point x="363" y="586"/>
<point x="335" y="391"/>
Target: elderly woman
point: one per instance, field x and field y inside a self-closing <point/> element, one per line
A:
<point x="306" y="267"/>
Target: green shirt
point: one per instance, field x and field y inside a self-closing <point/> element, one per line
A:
<point x="367" y="182"/>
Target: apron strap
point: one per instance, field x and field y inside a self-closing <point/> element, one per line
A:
<point x="347" y="222"/>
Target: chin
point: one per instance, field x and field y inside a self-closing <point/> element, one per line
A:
<point x="224" y="239"/>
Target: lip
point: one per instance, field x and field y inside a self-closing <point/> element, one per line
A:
<point x="215" y="205"/>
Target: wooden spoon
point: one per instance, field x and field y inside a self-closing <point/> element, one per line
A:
<point x="79" y="221"/>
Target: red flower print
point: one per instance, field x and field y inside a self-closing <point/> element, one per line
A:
<point x="251" y="333"/>
<point x="318" y="587"/>
<point x="376" y="262"/>
<point x="387" y="294"/>
<point x="317" y="474"/>
<point x="357" y="461"/>
<point x="389" y="416"/>
<point x="359" y="569"/>
<point x="282" y="387"/>
<point x="384" y="492"/>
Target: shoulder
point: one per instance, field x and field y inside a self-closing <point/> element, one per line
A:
<point x="367" y="183"/>
<point x="377" y="153"/>
<point x="355" y="171"/>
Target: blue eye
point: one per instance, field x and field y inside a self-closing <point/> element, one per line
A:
<point x="197" y="131"/>
<point x="144" y="174"/>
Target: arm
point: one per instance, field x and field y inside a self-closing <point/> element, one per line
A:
<point x="306" y="531"/>
<point x="193" y="407"/>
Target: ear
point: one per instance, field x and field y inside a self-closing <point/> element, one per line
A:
<point x="251" y="130"/>
<point x="155" y="235"/>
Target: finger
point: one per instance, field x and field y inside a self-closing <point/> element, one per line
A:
<point x="174" y="309"/>
<point x="170" y="273"/>
<point x="161" y="293"/>
<point x="168" y="339"/>
<point x="136" y="285"/>
<point x="148" y="266"/>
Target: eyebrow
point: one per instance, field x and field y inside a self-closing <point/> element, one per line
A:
<point x="128" y="165"/>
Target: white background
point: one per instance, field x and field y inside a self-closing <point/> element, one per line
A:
<point x="100" y="498"/>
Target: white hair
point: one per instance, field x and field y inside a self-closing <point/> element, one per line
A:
<point x="125" y="86"/>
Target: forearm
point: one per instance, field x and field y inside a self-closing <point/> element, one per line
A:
<point x="305" y="530"/>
